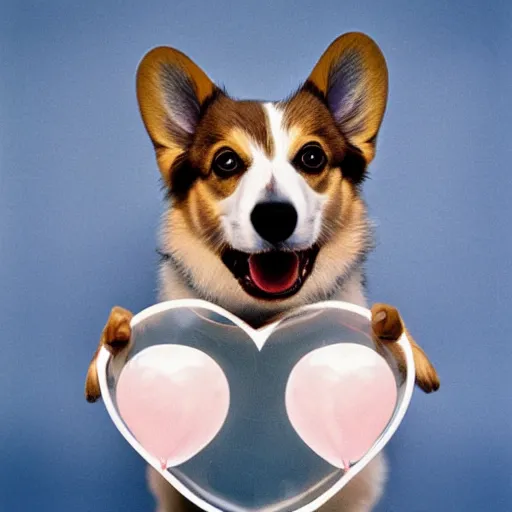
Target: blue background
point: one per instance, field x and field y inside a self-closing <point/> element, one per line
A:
<point x="80" y="202"/>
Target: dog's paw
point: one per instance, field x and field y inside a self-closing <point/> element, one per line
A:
<point x="387" y="327"/>
<point x="115" y="337"/>
<point x="386" y="323"/>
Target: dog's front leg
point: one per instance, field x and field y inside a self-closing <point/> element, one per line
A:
<point x="388" y="326"/>
<point x="115" y="338"/>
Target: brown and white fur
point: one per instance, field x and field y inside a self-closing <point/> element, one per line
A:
<point x="226" y="163"/>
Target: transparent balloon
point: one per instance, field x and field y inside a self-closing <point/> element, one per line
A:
<point x="238" y="419"/>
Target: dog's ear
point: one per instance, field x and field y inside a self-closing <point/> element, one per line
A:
<point x="171" y="91"/>
<point x="352" y="78"/>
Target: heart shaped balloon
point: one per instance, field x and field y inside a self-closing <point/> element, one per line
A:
<point x="237" y="419"/>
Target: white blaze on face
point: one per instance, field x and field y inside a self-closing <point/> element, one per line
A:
<point x="272" y="179"/>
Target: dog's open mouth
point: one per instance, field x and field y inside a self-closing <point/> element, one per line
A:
<point x="271" y="275"/>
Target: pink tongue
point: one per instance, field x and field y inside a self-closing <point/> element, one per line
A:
<point x="274" y="272"/>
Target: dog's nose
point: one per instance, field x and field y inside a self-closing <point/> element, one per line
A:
<point x="274" y="221"/>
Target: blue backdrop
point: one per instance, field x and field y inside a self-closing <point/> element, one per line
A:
<point x="80" y="202"/>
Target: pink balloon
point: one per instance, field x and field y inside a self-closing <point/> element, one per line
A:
<point x="339" y="400"/>
<point x="174" y="399"/>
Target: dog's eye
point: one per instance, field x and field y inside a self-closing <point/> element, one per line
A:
<point x="226" y="163"/>
<point x="311" y="159"/>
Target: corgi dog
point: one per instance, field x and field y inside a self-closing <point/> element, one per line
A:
<point x="265" y="212"/>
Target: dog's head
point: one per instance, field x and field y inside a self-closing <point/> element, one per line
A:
<point x="265" y="207"/>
